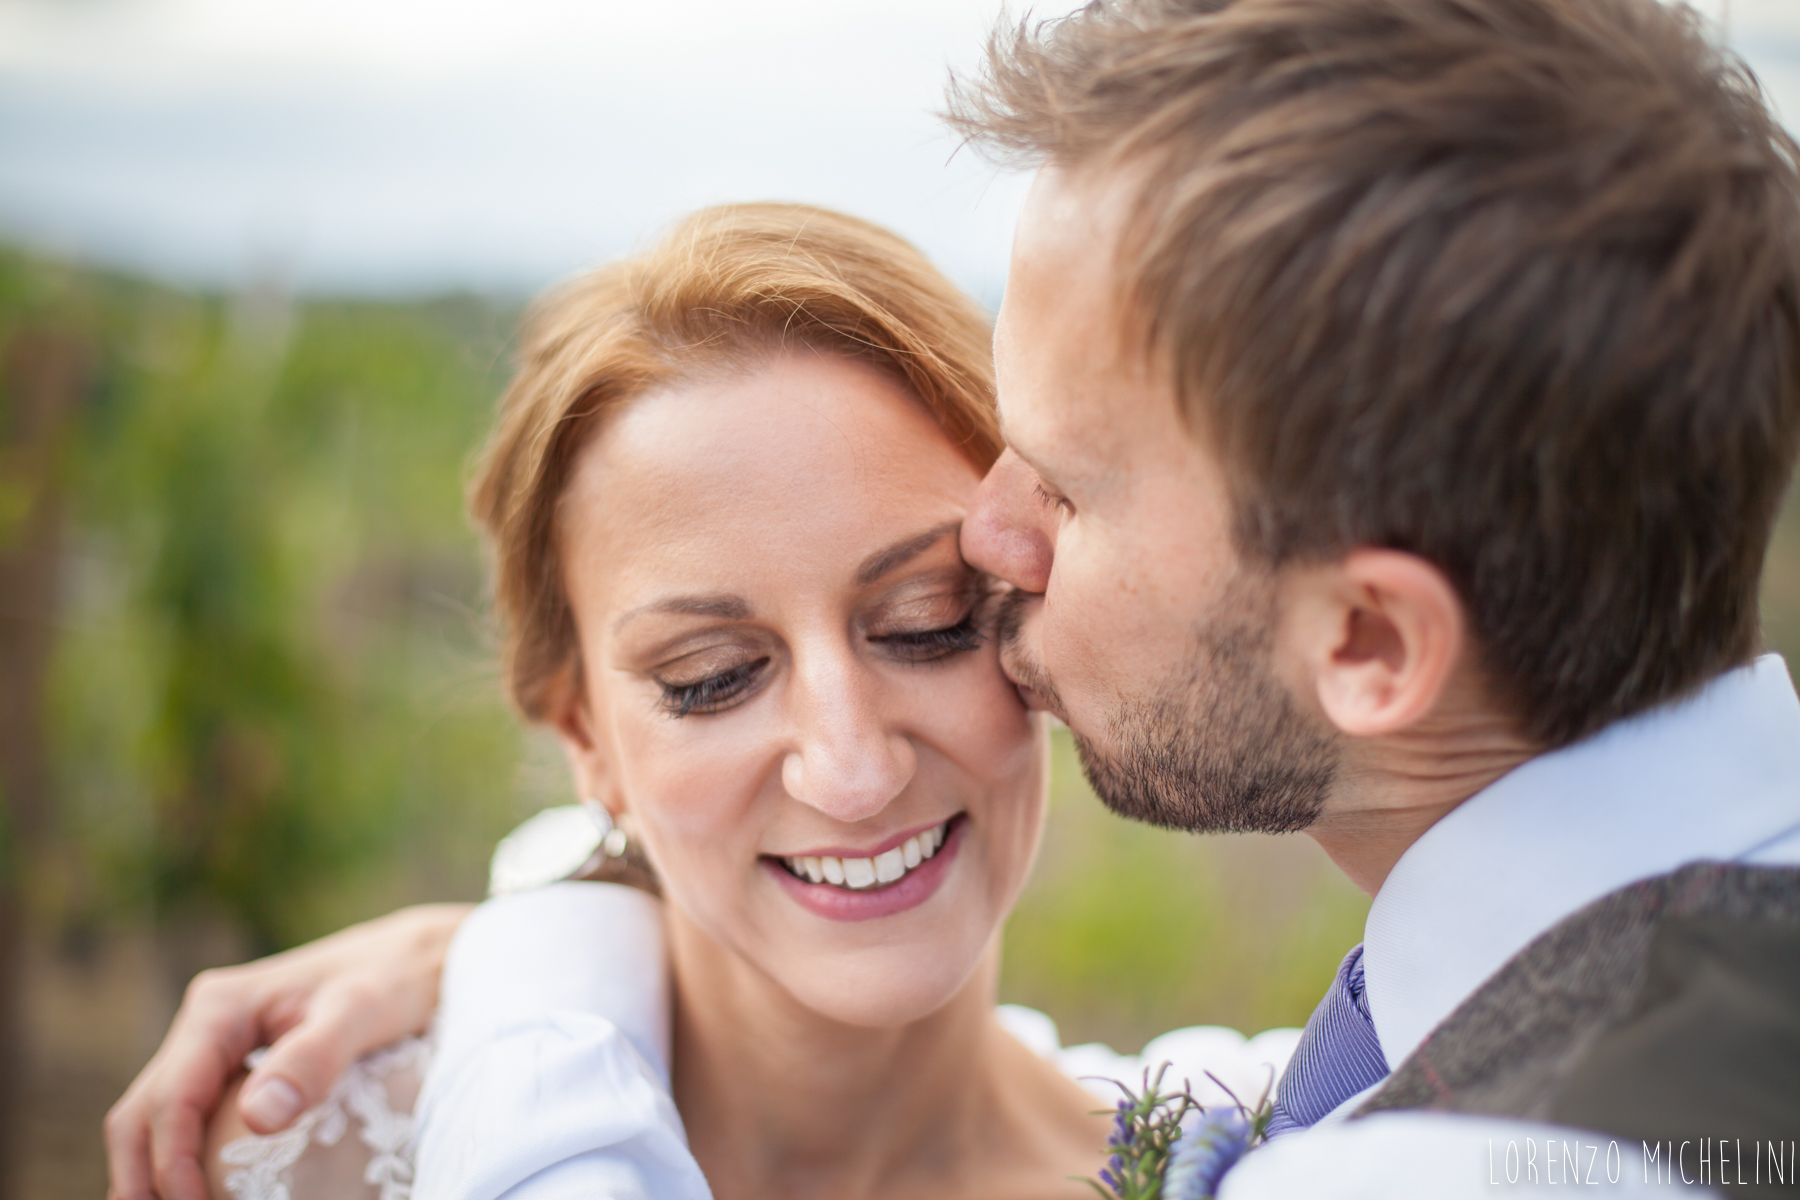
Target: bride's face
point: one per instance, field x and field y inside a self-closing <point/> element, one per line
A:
<point x="784" y="679"/>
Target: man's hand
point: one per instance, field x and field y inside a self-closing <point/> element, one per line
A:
<point x="318" y="1007"/>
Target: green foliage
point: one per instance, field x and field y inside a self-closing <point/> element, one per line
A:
<point x="272" y="699"/>
<point x="1781" y="586"/>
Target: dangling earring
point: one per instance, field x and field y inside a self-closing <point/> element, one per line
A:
<point x="613" y="839"/>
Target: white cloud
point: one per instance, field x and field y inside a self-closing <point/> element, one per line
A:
<point x="400" y="144"/>
<point x="419" y="143"/>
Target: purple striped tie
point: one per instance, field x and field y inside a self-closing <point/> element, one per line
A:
<point x="1339" y="1054"/>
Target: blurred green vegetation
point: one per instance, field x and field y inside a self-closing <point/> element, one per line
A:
<point x="272" y="703"/>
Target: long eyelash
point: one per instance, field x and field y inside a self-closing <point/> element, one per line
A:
<point x="684" y="699"/>
<point x="960" y="638"/>
<point x="933" y="645"/>
<point x="1050" y="499"/>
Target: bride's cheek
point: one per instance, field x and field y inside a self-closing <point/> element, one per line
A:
<point x="994" y="731"/>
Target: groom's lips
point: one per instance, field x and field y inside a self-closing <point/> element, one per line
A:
<point x="909" y="891"/>
<point x="1009" y="669"/>
<point x="1016" y="674"/>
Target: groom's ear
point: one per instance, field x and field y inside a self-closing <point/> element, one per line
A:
<point x="1379" y="634"/>
<point x="568" y="710"/>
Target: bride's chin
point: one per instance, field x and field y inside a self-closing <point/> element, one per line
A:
<point x="882" y="995"/>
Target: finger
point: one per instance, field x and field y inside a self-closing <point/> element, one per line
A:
<point x="225" y="1126"/>
<point x="343" y="1023"/>
<point x="270" y="1101"/>
<point x="128" y="1148"/>
<point x="185" y="1075"/>
<point x="176" y="1137"/>
<point x="187" y="1070"/>
<point x="205" y="1048"/>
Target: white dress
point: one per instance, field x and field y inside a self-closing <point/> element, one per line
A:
<point x="550" y="1066"/>
<point x="360" y="1142"/>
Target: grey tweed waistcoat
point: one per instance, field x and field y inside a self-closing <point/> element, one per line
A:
<point x="1667" y="1010"/>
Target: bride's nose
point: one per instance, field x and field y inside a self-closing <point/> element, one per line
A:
<point x="850" y="760"/>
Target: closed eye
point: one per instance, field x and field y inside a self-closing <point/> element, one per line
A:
<point x="713" y="694"/>
<point x="934" y="645"/>
<point x="1051" y="499"/>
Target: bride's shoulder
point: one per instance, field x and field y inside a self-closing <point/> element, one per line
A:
<point x="357" y="1143"/>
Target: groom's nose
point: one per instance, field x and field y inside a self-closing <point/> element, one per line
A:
<point x="1005" y="533"/>
<point x="851" y="760"/>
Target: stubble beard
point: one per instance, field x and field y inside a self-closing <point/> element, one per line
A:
<point x="1216" y="745"/>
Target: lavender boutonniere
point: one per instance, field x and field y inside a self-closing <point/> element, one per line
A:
<point x="1168" y="1146"/>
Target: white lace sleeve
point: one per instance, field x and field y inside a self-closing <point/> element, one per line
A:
<point x="313" y="1160"/>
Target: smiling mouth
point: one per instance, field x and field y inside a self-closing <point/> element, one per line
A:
<point x="867" y="874"/>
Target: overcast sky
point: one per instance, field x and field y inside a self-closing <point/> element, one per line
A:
<point x="417" y="145"/>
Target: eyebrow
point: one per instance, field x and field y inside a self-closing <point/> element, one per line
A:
<point x="1021" y="455"/>
<point x="901" y="553"/>
<point x="1052" y="478"/>
<point x="722" y="607"/>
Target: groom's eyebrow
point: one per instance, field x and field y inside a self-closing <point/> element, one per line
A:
<point x="1024" y="456"/>
<point x="901" y="553"/>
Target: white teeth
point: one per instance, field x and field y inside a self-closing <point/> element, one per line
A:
<point x="858" y="872"/>
<point x="890" y="865"/>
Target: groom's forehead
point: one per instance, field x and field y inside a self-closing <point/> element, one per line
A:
<point x="1065" y="248"/>
<point x="1069" y="349"/>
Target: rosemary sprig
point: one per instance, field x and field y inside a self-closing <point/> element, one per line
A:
<point x="1146" y="1126"/>
<point x="1153" y="1157"/>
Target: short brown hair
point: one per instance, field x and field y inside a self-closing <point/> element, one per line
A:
<point x="1513" y="285"/>
<point x="724" y="288"/>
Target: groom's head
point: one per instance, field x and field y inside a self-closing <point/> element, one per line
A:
<point x="1368" y="361"/>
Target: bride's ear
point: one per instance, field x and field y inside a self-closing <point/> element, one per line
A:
<point x="569" y="711"/>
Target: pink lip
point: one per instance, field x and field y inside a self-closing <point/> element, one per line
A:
<point x="899" y="839"/>
<point x="909" y="891"/>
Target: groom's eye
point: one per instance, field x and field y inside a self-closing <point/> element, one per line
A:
<point x="1054" y="501"/>
<point x="715" y="693"/>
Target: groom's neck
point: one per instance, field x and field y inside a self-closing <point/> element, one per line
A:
<point x="1391" y="789"/>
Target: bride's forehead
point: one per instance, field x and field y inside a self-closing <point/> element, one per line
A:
<point x="798" y="432"/>
<point x="802" y="402"/>
<point x="807" y="458"/>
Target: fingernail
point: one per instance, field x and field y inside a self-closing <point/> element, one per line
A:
<point x="271" y="1103"/>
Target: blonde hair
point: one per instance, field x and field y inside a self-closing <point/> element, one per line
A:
<point x="723" y="289"/>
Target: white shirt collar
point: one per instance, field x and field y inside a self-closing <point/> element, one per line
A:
<point x="1715" y="776"/>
